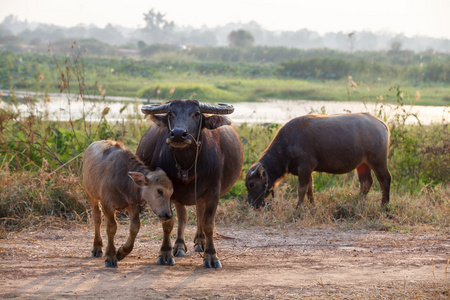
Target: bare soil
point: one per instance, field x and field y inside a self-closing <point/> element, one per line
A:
<point x="258" y="262"/>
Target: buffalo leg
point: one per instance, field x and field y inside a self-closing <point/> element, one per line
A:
<point x="365" y="178"/>
<point x="199" y="240"/>
<point x="180" y="249"/>
<point x="135" y="224"/>
<point x="210" y="259"/>
<point x="111" y="228"/>
<point x="384" y="178"/>
<point x="165" y="254"/>
<point x="309" y="193"/>
<point x="97" y="249"/>
<point x="304" y="180"/>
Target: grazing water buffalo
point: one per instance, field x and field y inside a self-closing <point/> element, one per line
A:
<point x="117" y="179"/>
<point x="334" y="144"/>
<point x="203" y="157"/>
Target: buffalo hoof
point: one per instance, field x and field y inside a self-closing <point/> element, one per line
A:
<point x="215" y="264"/>
<point x="179" y="248"/>
<point x="165" y="258"/>
<point x="111" y="264"/>
<point x="163" y="262"/>
<point x="198" y="248"/>
<point x="95" y="254"/>
<point x="179" y="253"/>
<point x="170" y="262"/>
<point x="121" y="254"/>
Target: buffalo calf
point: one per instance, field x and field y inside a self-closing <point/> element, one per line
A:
<point x="334" y="144"/>
<point x="116" y="178"/>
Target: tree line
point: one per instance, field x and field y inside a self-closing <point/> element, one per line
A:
<point x="17" y="35"/>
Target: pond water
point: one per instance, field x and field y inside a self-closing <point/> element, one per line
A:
<point x="281" y="111"/>
<point x="269" y="111"/>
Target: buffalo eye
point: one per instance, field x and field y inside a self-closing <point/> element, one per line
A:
<point x="170" y="114"/>
<point x="160" y="192"/>
<point x="251" y="185"/>
<point x="197" y="114"/>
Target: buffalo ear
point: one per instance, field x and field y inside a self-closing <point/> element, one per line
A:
<point x="215" y="121"/>
<point x="160" y="120"/>
<point x="138" y="178"/>
<point x="261" y="171"/>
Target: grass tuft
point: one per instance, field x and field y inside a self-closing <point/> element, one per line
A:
<point x="343" y="208"/>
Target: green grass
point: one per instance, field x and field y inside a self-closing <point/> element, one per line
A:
<point x="208" y="81"/>
<point x="202" y="92"/>
<point x="224" y="89"/>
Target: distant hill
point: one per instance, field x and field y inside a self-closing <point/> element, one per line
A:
<point x="17" y="36"/>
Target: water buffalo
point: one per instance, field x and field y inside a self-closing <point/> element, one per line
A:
<point x="203" y="157"/>
<point x="334" y="144"/>
<point x="115" y="177"/>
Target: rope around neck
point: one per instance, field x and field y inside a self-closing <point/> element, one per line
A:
<point x="198" y="144"/>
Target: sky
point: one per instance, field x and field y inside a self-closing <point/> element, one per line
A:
<point x="408" y="17"/>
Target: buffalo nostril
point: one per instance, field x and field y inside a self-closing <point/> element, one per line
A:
<point x="178" y="133"/>
<point x="165" y="216"/>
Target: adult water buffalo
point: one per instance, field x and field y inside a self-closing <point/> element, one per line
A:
<point x="203" y="157"/>
<point x="334" y="144"/>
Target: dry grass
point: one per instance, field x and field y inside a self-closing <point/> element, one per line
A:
<point x="37" y="198"/>
<point x="30" y="199"/>
<point x="343" y="207"/>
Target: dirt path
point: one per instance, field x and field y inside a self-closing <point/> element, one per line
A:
<point x="257" y="263"/>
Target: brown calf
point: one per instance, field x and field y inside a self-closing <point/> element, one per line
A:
<point x="116" y="178"/>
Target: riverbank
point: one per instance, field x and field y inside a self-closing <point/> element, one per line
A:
<point x="61" y="107"/>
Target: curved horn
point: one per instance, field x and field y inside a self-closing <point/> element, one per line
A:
<point x="154" y="109"/>
<point x="221" y="109"/>
<point x="256" y="170"/>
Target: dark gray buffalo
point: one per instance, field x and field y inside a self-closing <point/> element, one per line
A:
<point x="334" y="144"/>
<point x="203" y="157"/>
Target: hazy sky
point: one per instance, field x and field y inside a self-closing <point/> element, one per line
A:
<point x="409" y="17"/>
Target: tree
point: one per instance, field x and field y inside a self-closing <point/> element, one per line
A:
<point x="141" y="44"/>
<point x="156" y="21"/>
<point x="241" y="38"/>
<point x="351" y="39"/>
<point x="157" y="29"/>
<point x="5" y="31"/>
<point x="109" y="35"/>
<point x="396" y="45"/>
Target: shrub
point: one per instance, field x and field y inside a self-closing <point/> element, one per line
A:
<point x="199" y="92"/>
<point x="316" y="68"/>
